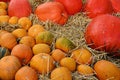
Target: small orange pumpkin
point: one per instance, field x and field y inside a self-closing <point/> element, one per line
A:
<point x="9" y="65"/>
<point x="8" y="40"/>
<point x="53" y="11"/>
<point x="26" y="73"/>
<point x="61" y="73"/>
<point x="43" y="63"/>
<point x="23" y="52"/>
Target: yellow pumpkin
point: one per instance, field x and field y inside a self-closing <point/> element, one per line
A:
<point x="41" y="48"/>
<point x="3" y="5"/>
<point x="4" y="19"/>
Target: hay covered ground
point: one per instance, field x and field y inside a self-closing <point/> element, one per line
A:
<point x="73" y="30"/>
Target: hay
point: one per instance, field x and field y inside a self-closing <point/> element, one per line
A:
<point x="74" y="30"/>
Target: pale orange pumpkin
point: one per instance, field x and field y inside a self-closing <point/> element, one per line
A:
<point x="61" y="73"/>
<point x="9" y="65"/>
<point x="43" y="63"/>
<point x="8" y="40"/>
<point x="26" y="73"/>
<point x="53" y="11"/>
<point x="23" y="52"/>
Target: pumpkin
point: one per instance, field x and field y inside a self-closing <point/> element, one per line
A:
<point x="61" y="73"/>
<point x="82" y="56"/>
<point x="99" y="34"/>
<point x="45" y="37"/>
<point x="27" y="40"/>
<point x="52" y="11"/>
<point x="19" y="8"/>
<point x="35" y="29"/>
<point x="8" y="40"/>
<point x="23" y="52"/>
<point x="41" y="48"/>
<point x="95" y="8"/>
<point x="4" y="19"/>
<point x="19" y="33"/>
<point x="72" y="6"/>
<point x="13" y="20"/>
<point x="4" y="52"/>
<point x="3" y="12"/>
<point x="64" y="44"/>
<point x="42" y="62"/>
<point x="3" y="5"/>
<point x="26" y="72"/>
<point x="2" y="32"/>
<point x="57" y="54"/>
<point x="69" y="63"/>
<point x="9" y="65"/>
<point x="115" y="4"/>
<point x="85" y="70"/>
<point x="25" y="22"/>
<point x="106" y="70"/>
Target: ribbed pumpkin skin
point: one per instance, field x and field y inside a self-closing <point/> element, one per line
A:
<point x="26" y="73"/>
<point x="52" y="11"/>
<point x="9" y="65"/>
<point x="4" y="52"/>
<point x="23" y="52"/>
<point x="8" y="40"/>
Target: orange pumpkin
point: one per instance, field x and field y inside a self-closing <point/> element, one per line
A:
<point x="57" y="55"/>
<point x="26" y="73"/>
<point x="53" y="11"/>
<point x="23" y="52"/>
<point x="8" y="40"/>
<point x="9" y="65"/>
<point x="61" y="73"/>
<point x="3" y="5"/>
<point x="106" y="70"/>
<point x="42" y="62"/>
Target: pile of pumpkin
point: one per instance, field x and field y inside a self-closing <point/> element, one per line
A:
<point x="31" y="50"/>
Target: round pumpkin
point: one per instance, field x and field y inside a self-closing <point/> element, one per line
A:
<point x="35" y="29"/>
<point x="8" y="40"/>
<point x="69" y="63"/>
<point x="23" y="52"/>
<point x="13" y="20"/>
<point x="19" y="33"/>
<point x="26" y="73"/>
<point x="53" y="11"/>
<point x="3" y="5"/>
<point x="82" y="56"/>
<point x="45" y="37"/>
<point x="27" y="40"/>
<point x="25" y="23"/>
<point x="4" y="52"/>
<point x="9" y="65"/>
<point x="43" y="63"/>
<point x="61" y="73"/>
<point x="3" y="12"/>
<point x="41" y="48"/>
<point x="85" y="70"/>
<point x="106" y="70"/>
<point x="2" y="32"/>
<point x="64" y="44"/>
<point x="57" y="54"/>
<point x="4" y="19"/>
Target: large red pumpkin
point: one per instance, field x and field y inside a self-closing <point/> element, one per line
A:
<point x="103" y="33"/>
<point x="52" y="11"/>
<point x="116" y="5"/>
<point x="94" y="8"/>
<point x="19" y="8"/>
<point x="72" y="6"/>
